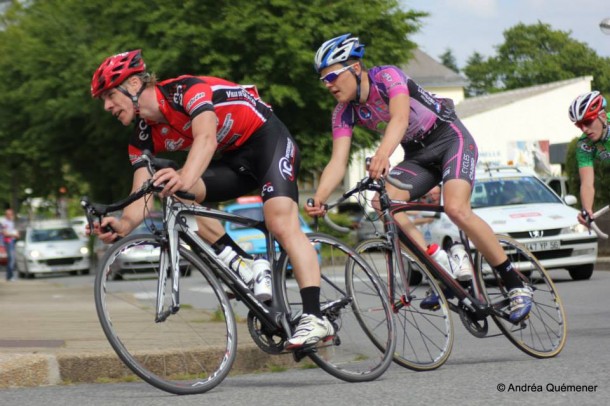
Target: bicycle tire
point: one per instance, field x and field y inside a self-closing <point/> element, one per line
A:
<point x="190" y="352"/>
<point x="424" y="338"/>
<point x="351" y="355"/>
<point x="543" y="333"/>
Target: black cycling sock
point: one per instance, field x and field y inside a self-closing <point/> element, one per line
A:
<point x="224" y="241"/>
<point x="311" y="300"/>
<point x="508" y="275"/>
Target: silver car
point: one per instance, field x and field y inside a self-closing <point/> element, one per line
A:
<point x="51" y="247"/>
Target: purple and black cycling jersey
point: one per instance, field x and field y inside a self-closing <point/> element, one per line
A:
<point x="437" y="145"/>
<point x="386" y="82"/>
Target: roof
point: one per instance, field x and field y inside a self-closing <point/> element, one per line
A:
<point x="480" y="104"/>
<point x="428" y="72"/>
<point x="47" y="224"/>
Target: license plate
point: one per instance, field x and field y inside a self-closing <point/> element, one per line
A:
<point x="543" y="245"/>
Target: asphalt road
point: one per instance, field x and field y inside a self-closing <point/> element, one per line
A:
<point x="479" y="372"/>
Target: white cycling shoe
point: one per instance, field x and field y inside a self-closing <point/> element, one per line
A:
<point x="310" y="331"/>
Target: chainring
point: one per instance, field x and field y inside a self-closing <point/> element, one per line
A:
<point x="476" y="327"/>
<point x="268" y="341"/>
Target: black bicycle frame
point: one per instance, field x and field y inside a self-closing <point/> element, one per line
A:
<point x="273" y="315"/>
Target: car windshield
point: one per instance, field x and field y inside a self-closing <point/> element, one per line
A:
<point x="511" y="191"/>
<point x="53" y="234"/>
<point x="255" y="213"/>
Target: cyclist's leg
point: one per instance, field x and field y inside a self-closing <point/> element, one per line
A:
<point x="281" y="218"/>
<point x="220" y="182"/>
<point x="271" y="158"/>
<point x="459" y="161"/>
<point x="422" y="179"/>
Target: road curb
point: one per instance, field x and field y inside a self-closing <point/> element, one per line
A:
<point x="31" y="370"/>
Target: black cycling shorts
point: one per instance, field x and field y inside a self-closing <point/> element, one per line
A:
<point x="448" y="152"/>
<point x="268" y="161"/>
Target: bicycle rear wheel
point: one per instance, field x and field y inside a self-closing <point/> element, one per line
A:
<point x="424" y="338"/>
<point x="543" y="333"/>
<point x="192" y="350"/>
<point x="352" y="355"/>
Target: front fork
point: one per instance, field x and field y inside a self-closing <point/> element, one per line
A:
<point x="168" y="256"/>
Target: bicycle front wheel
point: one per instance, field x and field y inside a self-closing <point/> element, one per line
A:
<point x="424" y="337"/>
<point x="351" y="355"/>
<point x="189" y="352"/>
<point x="543" y="333"/>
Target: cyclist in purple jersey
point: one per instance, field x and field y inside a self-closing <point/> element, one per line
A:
<point x="436" y="145"/>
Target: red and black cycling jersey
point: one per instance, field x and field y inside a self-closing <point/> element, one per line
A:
<point x="239" y="110"/>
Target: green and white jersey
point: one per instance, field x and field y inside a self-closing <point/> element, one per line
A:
<point x="587" y="151"/>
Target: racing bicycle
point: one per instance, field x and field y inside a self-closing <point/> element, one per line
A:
<point x="425" y="336"/>
<point x="170" y="319"/>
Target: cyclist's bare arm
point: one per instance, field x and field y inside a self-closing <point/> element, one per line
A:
<point x="397" y="127"/>
<point x="587" y="191"/>
<point x="111" y="227"/>
<point x="199" y="157"/>
<point x="332" y="175"/>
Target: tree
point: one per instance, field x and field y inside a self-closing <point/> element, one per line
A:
<point x="481" y="76"/>
<point x="536" y="54"/>
<point x="449" y="61"/>
<point x="49" y="50"/>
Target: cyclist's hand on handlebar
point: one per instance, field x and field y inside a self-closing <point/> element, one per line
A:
<point x="379" y="166"/>
<point x="170" y="180"/>
<point x="106" y="231"/>
<point x="585" y="217"/>
<point x="315" y="208"/>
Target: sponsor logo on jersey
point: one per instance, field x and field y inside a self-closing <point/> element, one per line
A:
<point x="194" y="99"/>
<point x="173" y="145"/>
<point x="164" y="131"/>
<point x="144" y="132"/>
<point x="225" y="129"/>
<point x="364" y="113"/>
<point x="239" y="94"/>
<point x="134" y="158"/>
<point x="286" y="163"/>
<point x="268" y="189"/>
<point x="187" y="125"/>
<point x="425" y="96"/>
<point x="586" y="147"/>
<point x="387" y="77"/>
<point x="178" y="95"/>
<point x="466" y="164"/>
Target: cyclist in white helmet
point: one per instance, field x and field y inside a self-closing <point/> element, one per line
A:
<point x="436" y="144"/>
<point x="588" y="113"/>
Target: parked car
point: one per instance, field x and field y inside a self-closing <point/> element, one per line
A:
<point x="78" y="224"/>
<point x="137" y="259"/>
<point x="515" y="202"/>
<point x="249" y="239"/>
<point x="369" y="226"/>
<point x="51" y="247"/>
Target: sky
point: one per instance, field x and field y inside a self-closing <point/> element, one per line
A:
<point x="468" y="26"/>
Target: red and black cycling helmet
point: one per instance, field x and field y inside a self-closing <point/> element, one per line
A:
<point x="587" y="106"/>
<point x="115" y="70"/>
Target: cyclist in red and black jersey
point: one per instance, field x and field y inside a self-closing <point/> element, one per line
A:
<point x="211" y="117"/>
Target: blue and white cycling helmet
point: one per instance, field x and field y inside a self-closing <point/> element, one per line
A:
<point x="337" y="50"/>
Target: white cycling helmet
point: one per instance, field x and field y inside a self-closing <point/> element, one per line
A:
<point x="587" y="106"/>
<point x="337" y="50"/>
